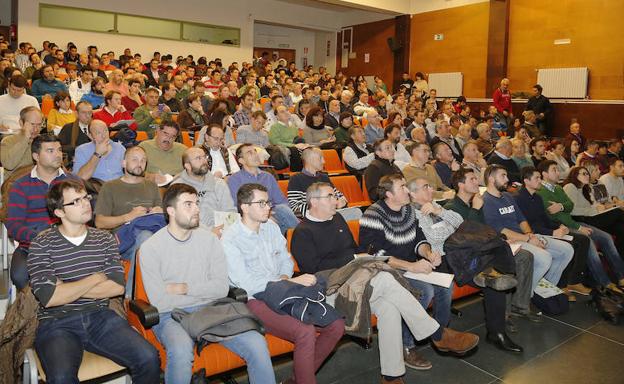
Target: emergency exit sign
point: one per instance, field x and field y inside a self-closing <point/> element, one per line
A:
<point x="438" y="36"/>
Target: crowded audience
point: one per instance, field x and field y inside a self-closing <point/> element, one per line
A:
<point x="202" y="171"/>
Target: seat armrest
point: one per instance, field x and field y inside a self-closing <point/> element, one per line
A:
<point x="147" y="313"/>
<point x="238" y="294"/>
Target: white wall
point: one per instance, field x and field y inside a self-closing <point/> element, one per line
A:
<point x="421" y="6"/>
<point x="320" y="57"/>
<point x="272" y="36"/>
<point x="5" y="12"/>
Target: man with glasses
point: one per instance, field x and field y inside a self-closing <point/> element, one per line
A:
<point x="74" y="271"/>
<point x="382" y="165"/>
<point x="15" y="150"/>
<point x="183" y="266"/>
<point x="27" y="214"/>
<point x="221" y="161"/>
<point x="373" y="130"/>
<point x="164" y="154"/>
<point x="82" y="86"/>
<point x="323" y="241"/>
<point x="256" y="255"/>
<point x="214" y="195"/>
<point x="101" y="158"/>
<point x="124" y="199"/>
<point x="12" y="103"/>
<point x="250" y="172"/>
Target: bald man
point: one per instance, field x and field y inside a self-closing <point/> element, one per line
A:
<point x="502" y="156"/>
<point x="101" y="158"/>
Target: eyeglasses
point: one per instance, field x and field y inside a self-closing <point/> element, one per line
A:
<point x="584" y="173"/>
<point x="77" y="201"/>
<point x="262" y="203"/>
<point x="425" y="186"/>
<point x="217" y="138"/>
<point x="328" y="196"/>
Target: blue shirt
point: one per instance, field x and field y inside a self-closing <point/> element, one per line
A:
<point x="373" y="134"/>
<point x="255" y="259"/>
<point x="109" y="166"/>
<point x="42" y="87"/>
<point x="238" y="179"/>
<point x="502" y="212"/>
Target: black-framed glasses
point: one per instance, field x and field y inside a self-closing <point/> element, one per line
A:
<point x="262" y="203"/>
<point x="77" y="201"/>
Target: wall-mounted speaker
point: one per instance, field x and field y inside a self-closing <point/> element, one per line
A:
<point x="394" y="44"/>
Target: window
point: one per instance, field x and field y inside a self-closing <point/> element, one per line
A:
<point x="55" y="16"/>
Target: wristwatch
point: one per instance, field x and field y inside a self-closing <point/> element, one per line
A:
<point x="99" y="156"/>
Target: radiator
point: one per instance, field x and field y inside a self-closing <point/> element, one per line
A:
<point x="449" y="84"/>
<point x="568" y="83"/>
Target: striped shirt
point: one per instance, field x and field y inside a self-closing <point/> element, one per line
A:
<point x="27" y="213"/>
<point x="52" y="257"/>
<point x="298" y="185"/>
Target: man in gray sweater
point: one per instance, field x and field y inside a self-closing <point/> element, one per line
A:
<point x="183" y="266"/>
<point x="214" y="194"/>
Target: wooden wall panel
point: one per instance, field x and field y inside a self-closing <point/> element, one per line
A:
<point x="371" y="38"/>
<point x="595" y="29"/>
<point x="464" y="48"/>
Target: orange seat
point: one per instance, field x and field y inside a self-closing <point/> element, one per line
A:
<point x="141" y="135"/>
<point x="214" y="358"/>
<point x="263" y="101"/>
<point x="350" y="187"/>
<point x="186" y="139"/>
<point x="47" y="104"/>
<point x="283" y="185"/>
<point x="363" y="121"/>
<point x="174" y="117"/>
<point x="333" y="165"/>
<point x="365" y="191"/>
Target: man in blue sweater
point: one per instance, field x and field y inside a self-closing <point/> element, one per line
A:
<point x="47" y="85"/>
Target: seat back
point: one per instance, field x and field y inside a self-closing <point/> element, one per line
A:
<point x="350" y="187"/>
<point x="141" y="136"/>
<point x="283" y="185"/>
<point x="186" y="139"/>
<point x="333" y="165"/>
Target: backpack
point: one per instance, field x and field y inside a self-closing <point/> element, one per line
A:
<point x="126" y="136"/>
<point x="277" y="159"/>
<point x="608" y="304"/>
<point x="553" y="305"/>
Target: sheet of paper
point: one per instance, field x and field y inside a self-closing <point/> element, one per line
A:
<point x="546" y="289"/>
<point x="225" y="218"/>
<point x="126" y="122"/>
<point x="515" y="247"/>
<point x="438" y="278"/>
<point x="372" y="257"/>
<point x="606" y="210"/>
<point x="564" y="237"/>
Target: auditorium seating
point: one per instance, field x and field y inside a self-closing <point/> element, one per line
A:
<point x="214" y="358"/>
<point x="350" y="187"/>
<point x="333" y="164"/>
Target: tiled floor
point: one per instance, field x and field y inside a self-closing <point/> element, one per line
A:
<point x="575" y="348"/>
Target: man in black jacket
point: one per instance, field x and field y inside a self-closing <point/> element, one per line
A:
<point x="540" y="105"/>
<point x="502" y="157"/>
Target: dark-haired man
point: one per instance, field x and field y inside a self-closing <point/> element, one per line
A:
<point x="12" y="103"/>
<point x="256" y="256"/>
<point x="532" y="207"/>
<point x="540" y="105"/>
<point x="27" y="214"/>
<point x="468" y="202"/>
<point x="382" y="165"/>
<point x="47" y="85"/>
<point x="183" y="266"/>
<point x="391" y="225"/>
<point x="74" y="271"/>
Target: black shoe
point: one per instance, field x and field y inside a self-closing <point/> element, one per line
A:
<point x="535" y="317"/>
<point x="491" y="278"/>
<point x="503" y="342"/>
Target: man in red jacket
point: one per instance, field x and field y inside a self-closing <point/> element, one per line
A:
<point x="502" y="102"/>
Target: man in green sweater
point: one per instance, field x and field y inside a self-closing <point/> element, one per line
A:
<point x="559" y="207"/>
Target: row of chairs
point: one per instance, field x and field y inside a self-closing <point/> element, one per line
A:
<point x="347" y="184"/>
<point x="216" y="359"/>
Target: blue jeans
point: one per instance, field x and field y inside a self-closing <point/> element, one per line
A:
<point x="550" y="262"/>
<point x="60" y="344"/>
<point x="250" y="346"/>
<point x="604" y="241"/>
<point x="441" y="308"/>
<point x="285" y="217"/>
<point x="130" y="254"/>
